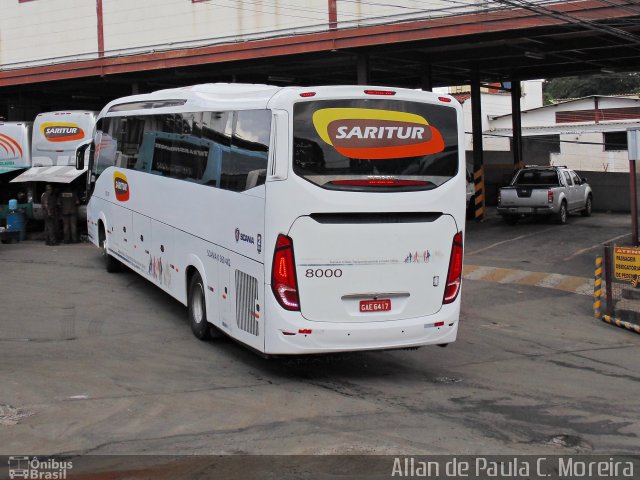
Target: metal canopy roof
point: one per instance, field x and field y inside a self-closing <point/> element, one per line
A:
<point x="525" y="40"/>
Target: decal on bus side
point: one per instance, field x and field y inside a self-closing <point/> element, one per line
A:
<point x="364" y="133"/>
<point x="6" y="143"/>
<point x="61" y="131"/>
<point x="121" y="186"/>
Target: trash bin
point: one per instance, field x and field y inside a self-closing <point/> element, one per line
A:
<point x="15" y="220"/>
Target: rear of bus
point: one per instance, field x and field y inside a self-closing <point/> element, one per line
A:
<point x="365" y="218"/>
<point x="56" y="135"/>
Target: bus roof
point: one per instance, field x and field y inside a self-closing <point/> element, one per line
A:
<point x="236" y="96"/>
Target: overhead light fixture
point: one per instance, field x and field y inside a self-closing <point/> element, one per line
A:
<point x="607" y="70"/>
<point x="534" y="55"/>
<point x="279" y="78"/>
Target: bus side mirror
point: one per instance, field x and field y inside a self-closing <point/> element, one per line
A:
<point x="80" y="151"/>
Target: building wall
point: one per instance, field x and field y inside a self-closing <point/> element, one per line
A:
<point x="581" y="142"/>
<point x="590" y="155"/>
<point x="41" y="32"/>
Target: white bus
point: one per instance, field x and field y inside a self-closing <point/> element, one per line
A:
<point x="295" y="220"/>
<point x="56" y="135"/>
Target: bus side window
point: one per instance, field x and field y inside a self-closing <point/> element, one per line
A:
<point x="246" y="166"/>
<point x="215" y="129"/>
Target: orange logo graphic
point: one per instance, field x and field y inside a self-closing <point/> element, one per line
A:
<point x="7" y="143"/>
<point x="121" y="186"/>
<point x="377" y="134"/>
<point x="61" y="131"/>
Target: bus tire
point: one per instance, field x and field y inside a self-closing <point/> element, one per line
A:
<point x="198" y="309"/>
<point x="111" y="264"/>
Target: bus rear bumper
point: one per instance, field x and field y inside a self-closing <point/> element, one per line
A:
<point x="293" y="335"/>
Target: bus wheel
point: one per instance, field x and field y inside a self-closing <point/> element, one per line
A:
<point x="112" y="265"/>
<point x="197" y="308"/>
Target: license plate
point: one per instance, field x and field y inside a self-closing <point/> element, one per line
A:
<point x="526" y="210"/>
<point x="367" y="306"/>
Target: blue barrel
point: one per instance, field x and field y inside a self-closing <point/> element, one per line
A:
<point x="13" y="204"/>
<point x="15" y="222"/>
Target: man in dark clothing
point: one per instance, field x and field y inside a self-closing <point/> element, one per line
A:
<point x="49" y="202"/>
<point x="69" y="205"/>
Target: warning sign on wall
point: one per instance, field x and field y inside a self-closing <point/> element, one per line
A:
<point x="626" y="263"/>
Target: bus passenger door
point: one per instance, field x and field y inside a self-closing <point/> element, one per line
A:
<point x="162" y="269"/>
<point x="141" y="243"/>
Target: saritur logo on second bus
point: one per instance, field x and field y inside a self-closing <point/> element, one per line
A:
<point x="371" y="134"/>
<point x="121" y="186"/>
<point x="61" y="131"/>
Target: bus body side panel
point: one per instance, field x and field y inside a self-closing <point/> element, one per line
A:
<point x="223" y="230"/>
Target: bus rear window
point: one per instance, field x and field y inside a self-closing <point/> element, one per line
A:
<point x="375" y="145"/>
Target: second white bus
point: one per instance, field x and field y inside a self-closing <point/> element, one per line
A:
<point x="295" y="220"/>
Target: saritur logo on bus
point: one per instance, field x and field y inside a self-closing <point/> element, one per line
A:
<point x="372" y="134"/>
<point x="121" y="186"/>
<point x="61" y="131"/>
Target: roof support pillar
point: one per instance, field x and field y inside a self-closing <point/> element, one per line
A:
<point x="333" y="14"/>
<point x="516" y="118"/>
<point x="364" y="72"/>
<point x="478" y="159"/>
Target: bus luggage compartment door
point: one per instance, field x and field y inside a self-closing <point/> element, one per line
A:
<point x="361" y="268"/>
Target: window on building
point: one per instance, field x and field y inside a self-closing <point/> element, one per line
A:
<point x="615" y="141"/>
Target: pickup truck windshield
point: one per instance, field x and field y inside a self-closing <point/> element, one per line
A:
<point x="375" y="145"/>
<point x="537" y="177"/>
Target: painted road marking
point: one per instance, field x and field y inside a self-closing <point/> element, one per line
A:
<point x="556" y="281"/>
<point x="592" y="247"/>
<point x="515" y="239"/>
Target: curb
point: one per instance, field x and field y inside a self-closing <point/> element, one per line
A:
<point x="620" y="323"/>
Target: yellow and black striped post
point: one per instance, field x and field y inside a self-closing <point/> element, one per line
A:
<point x="597" y="288"/>
<point x="478" y="183"/>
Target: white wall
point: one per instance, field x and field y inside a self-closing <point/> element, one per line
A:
<point x="583" y="156"/>
<point x="43" y="29"/>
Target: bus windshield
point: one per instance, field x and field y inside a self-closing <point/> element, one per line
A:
<point x="375" y="145"/>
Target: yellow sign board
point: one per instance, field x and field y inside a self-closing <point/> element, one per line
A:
<point x="626" y="263"/>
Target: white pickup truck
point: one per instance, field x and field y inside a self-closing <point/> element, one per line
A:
<point x="535" y="190"/>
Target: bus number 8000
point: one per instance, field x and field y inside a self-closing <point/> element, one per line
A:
<point x="319" y="273"/>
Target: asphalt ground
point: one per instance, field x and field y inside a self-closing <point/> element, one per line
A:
<point x="100" y="363"/>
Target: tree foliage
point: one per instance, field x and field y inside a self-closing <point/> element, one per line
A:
<point x="601" y="84"/>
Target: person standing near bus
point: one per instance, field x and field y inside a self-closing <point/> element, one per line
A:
<point x="49" y="202"/>
<point x="69" y="208"/>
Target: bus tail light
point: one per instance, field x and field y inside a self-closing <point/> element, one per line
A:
<point x="454" y="276"/>
<point x="550" y="196"/>
<point x="380" y="92"/>
<point x="283" y="275"/>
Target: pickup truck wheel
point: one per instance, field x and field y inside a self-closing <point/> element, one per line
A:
<point x="562" y="214"/>
<point x="510" y="219"/>
<point x="587" y="207"/>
